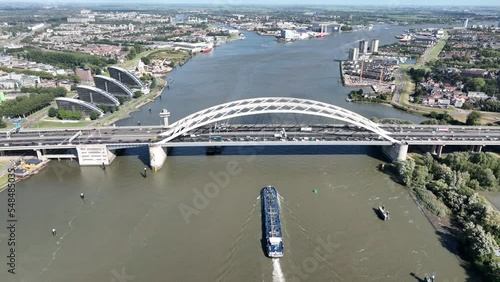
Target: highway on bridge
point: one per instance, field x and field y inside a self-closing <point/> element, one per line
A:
<point x="249" y="134"/>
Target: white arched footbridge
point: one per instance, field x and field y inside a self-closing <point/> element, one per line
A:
<point x="267" y="105"/>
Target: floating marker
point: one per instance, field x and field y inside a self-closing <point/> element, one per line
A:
<point x="82" y="196"/>
<point x="315" y="191"/>
<point x="54" y="232"/>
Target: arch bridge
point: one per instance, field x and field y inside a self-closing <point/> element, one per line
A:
<point x="259" y="106"/>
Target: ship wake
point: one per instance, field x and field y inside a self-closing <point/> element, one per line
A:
<point x="278" y="275"/>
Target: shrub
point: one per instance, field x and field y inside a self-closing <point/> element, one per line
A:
<point x="52" y="112"/>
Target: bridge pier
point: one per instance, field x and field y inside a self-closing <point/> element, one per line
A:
<point x="157" y="156"/>
<point x="396" y="151"/>
<point x="433" y="149"/>
<point x="40" y="154"/>
<point x="439" y="150"/>
<point x="94" y="155"/>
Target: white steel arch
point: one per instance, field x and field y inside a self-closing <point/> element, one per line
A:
<point x="268" y="105"/>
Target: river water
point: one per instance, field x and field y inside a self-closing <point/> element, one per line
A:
<point x="199" y="218"/>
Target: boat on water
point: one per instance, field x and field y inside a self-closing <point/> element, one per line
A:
<point x="206" y="50"/>
<point x="271" y="222"/>
<point x="405" y="38"/>
<point x="383" y="213"/>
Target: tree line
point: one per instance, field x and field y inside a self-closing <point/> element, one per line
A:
<point x="39" y="98"/>
<point x="69" y="60"/>
<point x="449" y="186"/>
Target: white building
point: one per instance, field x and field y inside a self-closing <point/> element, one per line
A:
<point x="36" y="27"/>
<point x="233" y="32"/>
<point x="374" y="46"/>
<point x="459" y="102"/>
<point x="326" y="27"/>
<point x="290" y="35"/>
<point x="477" y="95"/>
<point x="363" y="46"/>
<point x="439" y="33"/>
<point x="353" y="54"/>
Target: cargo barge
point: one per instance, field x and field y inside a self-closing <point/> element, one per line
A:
<point x="271" y="222"/>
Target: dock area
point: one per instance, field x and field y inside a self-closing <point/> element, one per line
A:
<point x="21" y="168"/>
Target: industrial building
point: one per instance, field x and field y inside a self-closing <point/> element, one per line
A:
<point x="290" y="35"/>
<point x="72" y="104"/>
<point x="96" y="96"/>
<point x="113" y="86"/>
<point x="326" y="27"/>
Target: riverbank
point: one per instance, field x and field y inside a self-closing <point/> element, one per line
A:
<point x="134" y="105"/>
<point x="472" y="231"/>
<point x="21" y="168"/>
<point x="445" y="229"/>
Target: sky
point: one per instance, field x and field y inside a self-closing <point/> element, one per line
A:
<point x="289" y="2"/>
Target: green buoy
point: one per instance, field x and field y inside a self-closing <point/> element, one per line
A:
<point x="315" y="191"/>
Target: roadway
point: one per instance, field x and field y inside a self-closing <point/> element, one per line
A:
<point x="249" y="135"/>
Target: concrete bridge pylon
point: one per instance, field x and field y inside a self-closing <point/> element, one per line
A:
<point x="157" y="156"/>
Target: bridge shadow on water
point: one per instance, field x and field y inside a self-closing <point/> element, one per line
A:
<point x="371" y="151"/>
<point x="142" y="153"/>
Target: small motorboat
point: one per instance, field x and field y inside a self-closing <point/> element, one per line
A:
<point x="383" y="213"/>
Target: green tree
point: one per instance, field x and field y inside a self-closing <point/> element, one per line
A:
<point x="94" y="115"/>
<point x="121" y="99"/>
<point x="67" y="114"/>
<point x="420" y="176"/>
<point x="405" y="170"/>
<point x="146" y="60"/>
<point x="52" y="112"/>
<point x="478" y="82"/>
<point x="474" y="118"/>
<point x="467" y="106"/>
<point x="137" y="94"/>
<point x="103" y="108"/>
<point x="3" y="124"/>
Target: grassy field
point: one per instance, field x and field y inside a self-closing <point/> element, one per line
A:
<point x="43" y="112"/>
<point x="174" y="56"/>
<point x="55" y="124"/>
<point x="130" y="63"/>
<point x="4" y="177"/>
<point x="3" y="180"/>
<point x="434" y="53"/>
